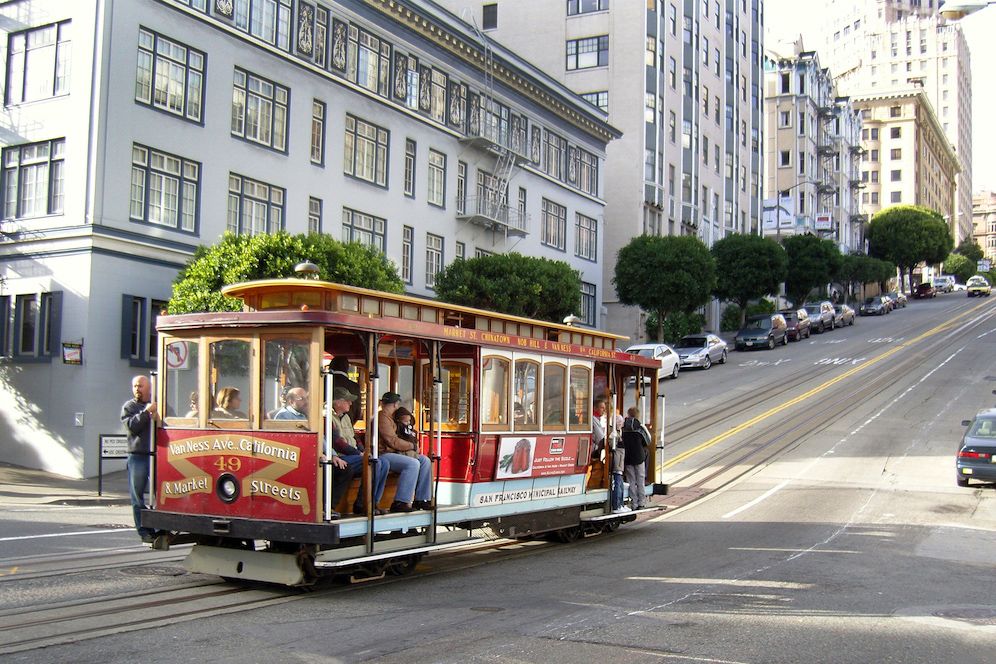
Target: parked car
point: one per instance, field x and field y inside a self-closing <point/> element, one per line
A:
<point x="877" y="305"/>
<point x="959" y="288"/>
<point x="944" y="283"/>
<point x="798" y="325"/>
<point x="977" y="452"/>
<point x="820" y="315"/>
<point x="762" y="331"/>
<point x="700" y="350"/>
<point x="924" y="291"/>
<point x="670" y="364"/>
<point x="897" y="299"/>
<point x="978" y="285"/>
<point x="843" y="315"/>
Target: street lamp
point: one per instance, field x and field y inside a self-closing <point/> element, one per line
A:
<point x="954" y="10"/>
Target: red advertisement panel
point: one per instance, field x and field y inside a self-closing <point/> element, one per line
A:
<point x="252" y="474"/>
<point x="536" y="456"/>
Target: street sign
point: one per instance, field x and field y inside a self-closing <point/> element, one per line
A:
<point x="984" y="265"/>
<point x="177" y="355"/>
<point x="112" y="446"/>
<point x="824" y="222"/>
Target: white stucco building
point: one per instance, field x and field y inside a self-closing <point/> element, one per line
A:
<point x="134" y="131"/>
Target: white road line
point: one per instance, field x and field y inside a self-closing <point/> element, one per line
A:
<point x="81" y="532"/>
<point x="775" y="489"/>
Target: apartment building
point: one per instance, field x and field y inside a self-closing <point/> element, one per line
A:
<point x="135" y="131"/>
<point x="908" y="159"/>
<point x="682" y="81"/>
<point x="883" y="46"/>
<point x="812" y="152"/>
<point x="984" y="223"/>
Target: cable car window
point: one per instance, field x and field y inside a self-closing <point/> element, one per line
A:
<point x="182" y="397"/>
<point x="525" y="382"/>
<point x="455" y="402"/>
<point x="286" y="367"/>
<point x="580" y="398"/>
<point x="554" y="377"/>
<point x="494" y="391"/>
<point x="229" y="376"/>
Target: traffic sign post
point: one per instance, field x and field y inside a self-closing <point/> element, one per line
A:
<point x="112" y="446"/>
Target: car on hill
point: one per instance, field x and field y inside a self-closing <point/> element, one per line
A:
<point x="762" y="331"/>
<point x="978" y="285"/>
<point x="924" y="291"/>
<point x="798" y="324"/>
<point x="820" y="315"/>
<point x="944" y="283"/>
<point x="843" y="315"/>
<point x="976" y="458"/>
<point x="876" y="305"/>
<point x="670" y="363"/>
<point x="701" y="350"/>
<point x="898" y="299"/>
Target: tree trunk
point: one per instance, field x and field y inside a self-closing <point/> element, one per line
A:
<point x="660" y="326"/>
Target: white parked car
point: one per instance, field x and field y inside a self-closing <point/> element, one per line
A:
<point x="959" y="287"/>
<point x="670" y="363"/>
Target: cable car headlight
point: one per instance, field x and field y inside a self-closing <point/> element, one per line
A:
<point x="227" y="488"/>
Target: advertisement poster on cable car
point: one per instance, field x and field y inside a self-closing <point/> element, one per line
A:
<point x="535" y="456"/>
<point x="262" y="475"/>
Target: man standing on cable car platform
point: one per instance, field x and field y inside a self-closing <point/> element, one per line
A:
<point x="138" y="414"/>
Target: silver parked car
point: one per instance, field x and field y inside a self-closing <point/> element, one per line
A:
<point x="701" y="350"/>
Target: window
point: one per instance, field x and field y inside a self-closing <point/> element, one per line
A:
<point x="555" y="151"/>
<point x="587" y="52"/>
<point x="672" y="20"/>
<point x="587" y="171"/>
<point x="321" y="36"/>
<point x="268" y="20"/>
<point x="407" y="247"/>
<point x="259" y="110"/>
<point x="672" y="128"/>
<point x="369" y="64"/>
<point x="286" y="363"/>
<point x="554" y="225"/>
<point x="600" y="99"/>
<point x="874" y="198"/>
<point x="896" y="153"/>
<point x="364" y="228"/>
<point x="38" y="63"/>
<point x="554" y="377"/>
<point x="895" y="111"/>
<point x="170" y="76"/>
<point x="199" y="5"/>
<point x="672" y="73"/>
<point x="433" y="258"/>
<point x="461" y="192"/>
<point x="522" y="206"/>
<point x="4" y="325"/>
<point x="460" y="252"/>
<point x="164" y="189"/>
<point x="139" y="338"/>
<point x="314" y="215"/>
<point x="494" y="392"/>
<point x="586" y="237"/>
<point x="896" y="175"/>
<point x="37" y="325"/>
<point x="525" y="382"/>
<point x="588" y="303"/>
<point x="896" y="197"/>
<point x="254" y="207"/>
<point x="229" y="386"/>
<point x="34" y="179"/>
<point x="317" y="132"/>
<point x="365" y="152"/>
<point x="784" y="119"/>
<point x="650" y="57"/>
<point x="873" y="155"/>
<point x="437" y="179"/>
<point x="437" y="96"/>
<point x="575" y="7"/>
<point x="489" y="16"/>
<point x="410" y="150"/>
<point x="784" y="158"/>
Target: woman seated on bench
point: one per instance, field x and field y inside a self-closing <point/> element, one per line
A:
<point x="400" y="455"/>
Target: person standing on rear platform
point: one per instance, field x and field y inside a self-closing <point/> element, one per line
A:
<point x="138" y="415"/>
<point x="635" y="439"/>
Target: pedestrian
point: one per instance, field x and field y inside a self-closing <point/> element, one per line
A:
<point x="138" y="415"/>
<point x="635" y="439"/>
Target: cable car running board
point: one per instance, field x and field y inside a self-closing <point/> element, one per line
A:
<point x="332" y="564"/>
<point x="623" y="515"/>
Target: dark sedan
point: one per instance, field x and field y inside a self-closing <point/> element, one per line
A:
<point x="877" y="305"/>
<point x="923" y="291"/>
<point x="843" y="315"/>
<point x="977" y="452"/>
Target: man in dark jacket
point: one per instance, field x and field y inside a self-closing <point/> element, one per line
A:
<point x="635" y="438"/>
<point x="138" y="415"/>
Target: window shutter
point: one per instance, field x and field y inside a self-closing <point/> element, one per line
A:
<point x="55" y="325"/>
<point x="126" y="325"/>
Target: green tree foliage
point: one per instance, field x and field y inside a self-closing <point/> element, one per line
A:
<point x="676" y="325"/>
<point x="664" y="275"/>
<point x="960" y="266"/>
<point x="512" y="284"/>
<point x="907" y="235"/>
<point x="237" y="258"/>
<point x="734" y="317"/>
<point x="812" y="263"/>
<point x="971" y="250"/>
<point x="861" y="269"/>
<point x="748" y="267"/>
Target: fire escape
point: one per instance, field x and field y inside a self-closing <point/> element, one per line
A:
<point x="828" y="149"/>
<point x="493" y="129"/>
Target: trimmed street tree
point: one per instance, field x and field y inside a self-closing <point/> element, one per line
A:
<point x="960" y="266"/>
<point x="907" y="235"/>
<point x="748" y="267"/>
<point x="662" y="275"/>
<point x="971" y="250"/>
<point x="237" y="258"/>
<point x="512" y="284"/>
<point x="812" y="263"/>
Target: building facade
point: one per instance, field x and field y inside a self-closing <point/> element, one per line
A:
<point x="908" y="159"/>
<point x="682" y="81"/>
<point x="891" y="45"/>
<point x="984" y="223"/>
<point x="812" y="153"/>
<point x="136" y="131"/>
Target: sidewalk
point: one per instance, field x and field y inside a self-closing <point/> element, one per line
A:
<point x="25" y="486"/>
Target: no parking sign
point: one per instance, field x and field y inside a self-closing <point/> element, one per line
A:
<point x="177" y="355"/>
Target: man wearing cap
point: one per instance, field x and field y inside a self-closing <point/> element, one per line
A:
<point x="347" y="448"/>
<point x="415" y="483"/>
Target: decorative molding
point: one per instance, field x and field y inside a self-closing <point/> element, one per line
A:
<point x="305" y="28"/>
<point x="224" y="7"/>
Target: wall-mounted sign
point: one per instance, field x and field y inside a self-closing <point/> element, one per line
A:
<point x="824" y="222"/>
<point x="72" y="353"/>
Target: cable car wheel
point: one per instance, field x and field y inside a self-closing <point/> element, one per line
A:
<point x="404" y="565"/>
<point x="568" y="535"/>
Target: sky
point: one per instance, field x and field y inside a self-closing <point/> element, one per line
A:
<point x="783" y="18"/>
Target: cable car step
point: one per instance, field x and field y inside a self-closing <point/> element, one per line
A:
<point x="429" y="548"/>
<point x="617" y="515"/>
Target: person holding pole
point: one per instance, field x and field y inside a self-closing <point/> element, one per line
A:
<point x="138" y="415"/>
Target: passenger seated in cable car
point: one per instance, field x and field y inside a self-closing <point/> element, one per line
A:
<point x="193" y="406"/>
<point x="351" y="451"/>
<point x="415" y="470"/>
<point x="227" y="402"/>
<point x="295" y="405"/>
